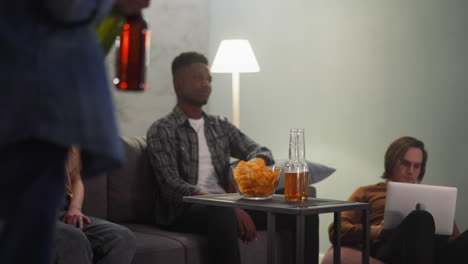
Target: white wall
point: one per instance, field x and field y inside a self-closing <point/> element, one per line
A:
<point x="356" y="74"/>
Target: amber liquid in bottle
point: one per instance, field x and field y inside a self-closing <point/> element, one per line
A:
<point x="132" y="55"/>
<point x="295" y="184"/>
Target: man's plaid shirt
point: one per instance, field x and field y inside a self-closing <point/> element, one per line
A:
<point x="173" y="152"/>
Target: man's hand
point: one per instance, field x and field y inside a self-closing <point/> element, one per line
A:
<point x="247" y="228"/>
<point x="75" y="217"/>
<point x="132" y="7"/>
<point x="375" y="230"/>
<point x="261" y="160"/>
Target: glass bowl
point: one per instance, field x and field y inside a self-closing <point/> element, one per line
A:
<point x="256" y="183"/>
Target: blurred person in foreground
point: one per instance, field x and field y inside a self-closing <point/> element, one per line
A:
<point x="54" y="94"/>
<point x="414" y="240"/>
<point x="190" y="153"/>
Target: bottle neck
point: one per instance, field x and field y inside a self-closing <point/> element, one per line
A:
<point x="293" y="153"/>
<point x="300" y="145"/>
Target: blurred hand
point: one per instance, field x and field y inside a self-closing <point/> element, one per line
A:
<point x="247" y="230"/>
<point x="75" y="217"/>
<point x="200" y="193"/>
<point x="255" y="160"/>
<point x="375" y="230"/>
<point x="131" y="7"/>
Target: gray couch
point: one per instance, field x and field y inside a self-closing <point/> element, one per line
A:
<point x="126" y="197"/>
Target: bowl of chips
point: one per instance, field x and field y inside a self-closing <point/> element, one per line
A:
<point x="254" y="180"/>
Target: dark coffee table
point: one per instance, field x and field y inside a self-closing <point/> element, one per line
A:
<point x="278" y="205"/>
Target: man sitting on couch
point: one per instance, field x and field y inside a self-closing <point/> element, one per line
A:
<point x="190" y="152"/>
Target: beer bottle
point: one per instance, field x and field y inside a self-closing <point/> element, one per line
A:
<point x="296" y="172"/>
<point x="132" y="54"/>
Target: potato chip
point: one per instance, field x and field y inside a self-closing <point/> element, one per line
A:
<point x="254" y="178"/>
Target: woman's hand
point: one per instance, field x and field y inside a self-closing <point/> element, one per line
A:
<point x="131" y="7"/>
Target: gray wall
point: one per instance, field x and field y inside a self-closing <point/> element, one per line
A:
<point x="356" y="74"/>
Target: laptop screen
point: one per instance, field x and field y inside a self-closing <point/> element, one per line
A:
<point x="402" y="198"/>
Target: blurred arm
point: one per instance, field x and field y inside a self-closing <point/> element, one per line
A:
<point x="74" y="216"/>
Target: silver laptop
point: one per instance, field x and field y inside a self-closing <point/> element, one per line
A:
<point x="402" y="198"/>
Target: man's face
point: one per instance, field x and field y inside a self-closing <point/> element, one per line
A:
<point x="193" y="84"/>
<point x="408" y="168"/>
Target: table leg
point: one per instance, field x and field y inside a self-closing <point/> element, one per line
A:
<point x="271" y="228"/>
<point x="337" y="238"/>
<point x="365" y="236"/>
<point x="300" y="236"/>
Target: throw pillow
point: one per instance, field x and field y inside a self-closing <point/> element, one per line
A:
<point x="317" y="172"/>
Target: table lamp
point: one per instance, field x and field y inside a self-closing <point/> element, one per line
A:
<point x="235" y="56"/>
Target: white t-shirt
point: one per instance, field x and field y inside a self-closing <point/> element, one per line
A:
<point x="207" y="180"/>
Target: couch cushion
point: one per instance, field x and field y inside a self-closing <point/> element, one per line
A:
<point x="192" y="245"/>
<point x="153" y="249"/>
<point x="131" y="188"/>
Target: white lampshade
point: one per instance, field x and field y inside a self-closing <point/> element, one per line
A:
<point x="235" y="55"/>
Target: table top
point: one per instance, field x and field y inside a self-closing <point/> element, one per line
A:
<point x="277" y="204"/>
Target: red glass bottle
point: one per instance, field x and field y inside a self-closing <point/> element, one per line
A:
<point x="132" y="55"/>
